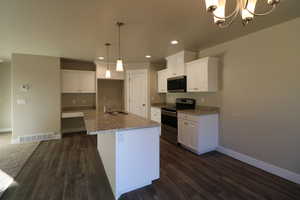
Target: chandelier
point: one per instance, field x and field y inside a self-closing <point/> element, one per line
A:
<point x="246" y="8"/>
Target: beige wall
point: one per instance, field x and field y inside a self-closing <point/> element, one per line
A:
<point x="5" y="96"/>
<point x="41" y="113"/>
<point x="110" y="94"/>
<point x="261" y="94"/>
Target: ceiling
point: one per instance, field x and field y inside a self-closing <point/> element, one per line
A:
<point x="79" y="28"/>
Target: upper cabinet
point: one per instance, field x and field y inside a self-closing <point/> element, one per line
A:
<point x="202" y="75"/>
<point x="75" y="81"/>
<point x="101" y="69"/>
<point x="162" y="81"/>
<point x="176" y="63"/>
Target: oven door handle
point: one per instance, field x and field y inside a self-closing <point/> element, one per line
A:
<point x="169" y="113"/>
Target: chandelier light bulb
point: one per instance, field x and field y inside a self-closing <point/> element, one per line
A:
<point x="211" y="5"/>
<point x="220" y="12"/>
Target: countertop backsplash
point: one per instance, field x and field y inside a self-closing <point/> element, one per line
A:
<point x="202" y="99"/>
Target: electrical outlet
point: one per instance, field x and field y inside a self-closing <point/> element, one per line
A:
<point x="202" y="100"/>
<point x="73" y="101"/>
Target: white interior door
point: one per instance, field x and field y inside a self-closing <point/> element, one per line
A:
<point x="137" y="92"/>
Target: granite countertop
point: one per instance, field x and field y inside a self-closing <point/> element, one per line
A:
<point x="99" y="122"/>
<point x="201" y="110"/>
<point x="160" y="105"/>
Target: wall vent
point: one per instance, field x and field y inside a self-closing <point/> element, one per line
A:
<point x="38" y="137"/>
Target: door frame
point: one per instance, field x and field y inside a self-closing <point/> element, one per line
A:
<point x="127" y="89"/>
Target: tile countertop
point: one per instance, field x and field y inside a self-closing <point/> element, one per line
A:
<point x="99" y="122"/>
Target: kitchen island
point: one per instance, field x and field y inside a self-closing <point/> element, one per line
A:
<point x="129" y="148"/>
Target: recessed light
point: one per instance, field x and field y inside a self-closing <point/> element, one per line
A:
<point x="148" y="56"/>
<point x="174" y="42"/>
<point x="101" y="58"/>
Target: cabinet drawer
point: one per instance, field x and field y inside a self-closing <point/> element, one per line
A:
<point x="188" y="117"/>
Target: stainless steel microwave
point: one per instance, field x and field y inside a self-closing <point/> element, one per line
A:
<point x="177" y="84"/>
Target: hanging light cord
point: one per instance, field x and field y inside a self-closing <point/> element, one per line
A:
<point x="119" y="41"/>
<point x="119" y="24"/>
<point x="107" y="53"/>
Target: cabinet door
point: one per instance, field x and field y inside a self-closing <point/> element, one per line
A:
<point x="197" y="76"/>
<point x="193" y="135"/>
<point x="159" y="81"/>
<point x="172" y="66"/>
<point x="162" y="81"/>
<point x="87" y="81"/>
<point x="179" y="68"/>
<point x="70" y="81"/>
<point x="184" y="132"/>
<point x="188" y="133"/>
<point x="191" y="77"/>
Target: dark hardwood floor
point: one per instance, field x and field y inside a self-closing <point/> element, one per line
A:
<point x="71" y="169"/>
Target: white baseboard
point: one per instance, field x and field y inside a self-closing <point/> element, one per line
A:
<point x="286" y="174"/>
<point x="36" y="138"/>
<point x="2" y="130"/>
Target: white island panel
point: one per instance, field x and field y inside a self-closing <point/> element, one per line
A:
<point x="130" y="158"/>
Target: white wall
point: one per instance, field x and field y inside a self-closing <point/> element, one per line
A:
<point x="41" y="113"/>
<point x="260" y="97"/>
<point x="5" y="88"/>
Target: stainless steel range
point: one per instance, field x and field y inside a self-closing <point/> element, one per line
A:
<point x="169" y="118"/>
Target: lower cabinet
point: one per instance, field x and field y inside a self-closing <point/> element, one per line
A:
<point x="156" y="114"/>
<point x="198" y="133"/>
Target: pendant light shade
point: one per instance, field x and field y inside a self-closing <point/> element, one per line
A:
<point x="107" y="72"/>
<point x="119" y="65"/>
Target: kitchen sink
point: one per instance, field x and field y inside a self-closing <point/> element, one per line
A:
<point x="117" y="113"/>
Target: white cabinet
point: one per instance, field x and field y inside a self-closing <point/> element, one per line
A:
<point x="198" y="133"/>
<point x="202" y="75"/>
<point x="156" y="114"/>
<point x="87" y="81"/>
<point x="101" y="69"/>
<point x="162" y="81"/>
<point x="176" y="63"/>
<point x="75" y="81"/>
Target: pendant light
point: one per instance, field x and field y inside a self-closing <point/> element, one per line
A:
<point x="119" y="66"/>
<point x="107" y="72"/>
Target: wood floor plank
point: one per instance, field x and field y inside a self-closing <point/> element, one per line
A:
<point x="71" y="169"/>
